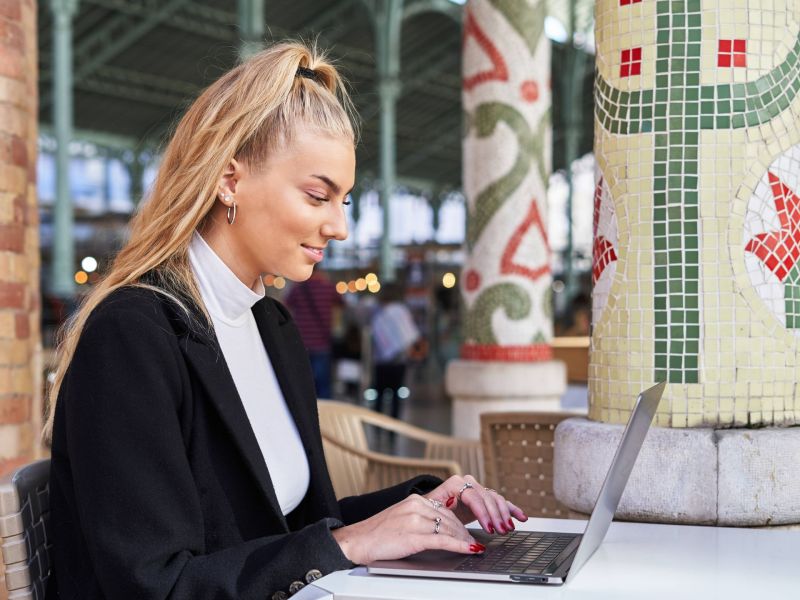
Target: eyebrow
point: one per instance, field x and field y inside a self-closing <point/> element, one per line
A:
<point x="332" y="184"/>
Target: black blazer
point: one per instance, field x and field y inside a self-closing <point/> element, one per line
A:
<point x="158" y="486"/>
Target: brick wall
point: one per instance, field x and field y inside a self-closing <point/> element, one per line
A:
<point x="20" y="340"/>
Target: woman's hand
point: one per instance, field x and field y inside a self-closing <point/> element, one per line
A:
<point x="408" y="527"/>
<point x="469" y="500"/>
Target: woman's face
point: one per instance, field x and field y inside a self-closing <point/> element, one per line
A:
<point x="287" y="210"/>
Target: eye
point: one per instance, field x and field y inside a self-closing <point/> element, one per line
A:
<point x="319" y="199"/>
<point x="347" y="201"/>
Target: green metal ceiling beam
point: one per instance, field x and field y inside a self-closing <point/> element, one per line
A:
<point x="250" y="18"/>
<point x="114" y="37"/>
<point x="454" y="11"/>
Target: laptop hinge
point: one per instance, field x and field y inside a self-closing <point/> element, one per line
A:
<point x="560" y="565"/>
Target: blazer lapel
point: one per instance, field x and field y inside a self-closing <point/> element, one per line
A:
<point x="209" y="365"/>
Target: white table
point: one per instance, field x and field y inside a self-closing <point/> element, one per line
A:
<point x="635" y="561"/>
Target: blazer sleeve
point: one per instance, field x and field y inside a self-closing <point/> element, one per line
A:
<point x="134" y="494"/>
<point x="358" y="508"/>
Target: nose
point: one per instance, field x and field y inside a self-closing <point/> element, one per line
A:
<point x="335" y="226"/>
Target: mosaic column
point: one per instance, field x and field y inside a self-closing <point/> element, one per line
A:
<point x="506" y="359"/>
<point x="697" y="241"/>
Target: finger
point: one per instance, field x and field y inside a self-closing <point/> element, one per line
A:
<point x="485" y="512"/>
<point x="446" y="542"/>
<point x="502" y="507"/>
<point x="448" y="522"/>
<point x="517" y="512"/>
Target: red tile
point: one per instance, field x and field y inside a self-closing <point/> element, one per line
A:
<point x="724" y="60"/>
<point x="739" y="60"/>
<point x="636" y="53"/>
<point x="740" y="45"/>
<point x="636" y="68"/>
<point x="725" y="45"/>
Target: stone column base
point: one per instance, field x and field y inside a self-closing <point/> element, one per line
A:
<point x="735" y="477"/>
<point x="493" y="386"/>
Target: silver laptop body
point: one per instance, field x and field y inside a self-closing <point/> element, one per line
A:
<point x="556" y="555"/>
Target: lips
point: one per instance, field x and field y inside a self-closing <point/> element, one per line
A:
<point x="316" y="254"/>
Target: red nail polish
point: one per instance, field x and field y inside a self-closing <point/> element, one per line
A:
<point x="450" y="501"/>
<point x="511" y="524"/>
<point x="490" y="528"/>
<point x="475" y="548"/>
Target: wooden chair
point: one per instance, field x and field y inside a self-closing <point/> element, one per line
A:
<point x="24" y="517"/>
<point x="518" y="455"/>
<point x="355" y="469"/>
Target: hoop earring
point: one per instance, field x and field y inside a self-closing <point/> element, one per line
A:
<point x="231" y="208"/>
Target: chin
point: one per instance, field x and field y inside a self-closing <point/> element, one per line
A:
<point x="299" y="275"/>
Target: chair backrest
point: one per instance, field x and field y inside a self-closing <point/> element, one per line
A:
<point x="518" y="459"/>
<point x="342" y="429"/>
<point x="355" y="469"/>
<point x="24" y="519"/>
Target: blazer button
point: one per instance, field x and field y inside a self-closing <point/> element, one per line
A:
<point x="313" y="575"/>
<point x="279" y="595"/>
<point x="296" y="587"/>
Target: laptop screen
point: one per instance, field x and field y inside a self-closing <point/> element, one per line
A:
<point x="621" y="467"/>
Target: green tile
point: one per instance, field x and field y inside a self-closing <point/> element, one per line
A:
<point x="724" y="92"/>
<point x="691" y="376"/>
<point x="675" y="362"/>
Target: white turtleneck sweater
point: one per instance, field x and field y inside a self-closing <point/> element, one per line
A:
<point x="229" y="301"/>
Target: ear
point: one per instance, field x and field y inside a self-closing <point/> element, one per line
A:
<point x="230" y="178"/>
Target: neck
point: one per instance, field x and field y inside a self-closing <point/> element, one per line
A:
<point x="217" y="234"/>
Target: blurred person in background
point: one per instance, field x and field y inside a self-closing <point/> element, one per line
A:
<point x="394" y="335"/>
<point x="313" y="305"/>
<point x="187" y="461"/>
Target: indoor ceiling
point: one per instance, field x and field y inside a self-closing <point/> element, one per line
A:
<point x="138" y="63"/>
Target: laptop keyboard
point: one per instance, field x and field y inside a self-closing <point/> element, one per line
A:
<point x="517" y="552"/>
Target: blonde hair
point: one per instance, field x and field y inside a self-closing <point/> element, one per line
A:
<point x="251" y="111"/>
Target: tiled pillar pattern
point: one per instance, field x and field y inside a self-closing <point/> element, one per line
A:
<point x="20" y="345"/>
<point x="506" y="97"/>
<point x="697" y="221"/>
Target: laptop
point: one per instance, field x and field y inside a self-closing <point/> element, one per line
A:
<point x="535" y="556"/>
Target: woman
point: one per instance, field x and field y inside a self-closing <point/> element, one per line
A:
<point x="186" y="452"/>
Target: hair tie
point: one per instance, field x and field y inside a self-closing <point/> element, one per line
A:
<point x="308" y="74"/>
